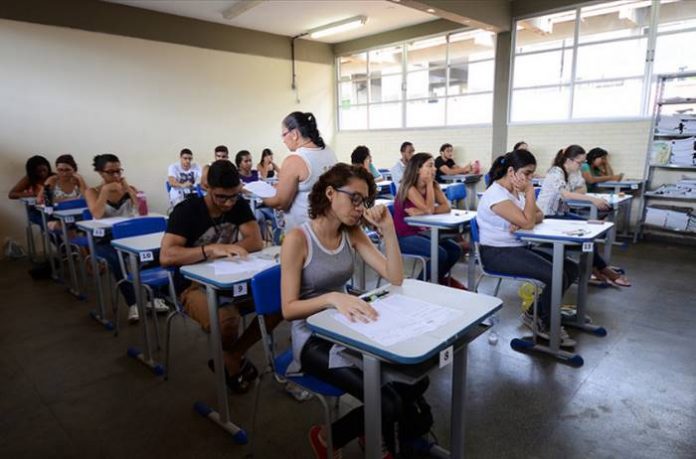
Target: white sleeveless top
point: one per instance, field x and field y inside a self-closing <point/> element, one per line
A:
<point x="318" y="161"/>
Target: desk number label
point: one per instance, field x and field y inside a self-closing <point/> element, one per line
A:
<point x="239" y="289"/>
<point x="70" y="219"/>
<point x="98" y="232"/>
<point x="587" y="246"/>
<point x="146" y="256"/>
<point x="634" y="187"/>
<point x="48" y="210"/>
<point x="446" y="356"/>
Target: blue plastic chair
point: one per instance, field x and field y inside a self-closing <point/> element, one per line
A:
<point x="456" y="192"/>
<point x="151" y="278"/>
<point x="487" y="179"/>
<point x="265" y="289"/>
<point x="537" y="190"/>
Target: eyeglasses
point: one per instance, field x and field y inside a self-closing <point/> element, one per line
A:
<point x="356" y="198"/>
<point x="113" y="172"/>
<point x="581" y="162"/>
<point x="223" y="198"/>
<point x="64" y="169"/>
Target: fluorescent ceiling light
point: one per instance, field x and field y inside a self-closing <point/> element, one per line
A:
<point x="338" y="27"/>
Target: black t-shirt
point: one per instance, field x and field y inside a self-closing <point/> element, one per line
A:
<point x="191" y="220"/>
<point x="439" y="162"/>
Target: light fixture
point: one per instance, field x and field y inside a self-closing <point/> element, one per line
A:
<point x="430" y="10"/>
<point x="338" y="27"/>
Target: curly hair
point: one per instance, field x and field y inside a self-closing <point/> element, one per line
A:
<point x="336" y="177"/>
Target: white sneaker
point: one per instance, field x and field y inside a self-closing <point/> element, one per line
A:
<point x="566" y="340"/>
<point x="133" y="315"/>
<point x="159" y="305"/>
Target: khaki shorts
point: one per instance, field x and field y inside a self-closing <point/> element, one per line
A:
<point x="195" y="302"/>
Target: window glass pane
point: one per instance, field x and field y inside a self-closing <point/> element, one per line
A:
<point x="474" y="77"/>
<point x="426" y="54"/>
<point x="544" y="68"/>
<point x="425" y="84"/>
<point x="683" y="87"/>
<point x="675" y="53"/>
<point x="353" y="92"/>
<point x="353" y="117"/>
<point x="545" y="32"/>
<point x="606" y="21"/>
<point x="385" y="89"/>
<point x="386" y="61"/>
<point x="540" y="104"/>
<point x="676" y="15"/>
<point x="425" y="113"/>
<point x="608" y="99"/>
<point x="477" y="108"/>
<point x="383" y="116"/>
<point x="611" y="60"/>
<point x="352" y="67"/>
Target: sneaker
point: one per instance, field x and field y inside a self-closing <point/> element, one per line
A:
<point x="385" y="452"/>
<point x="318" y="445"/>
<point x="528" y="321"/>
<point x="159" y="305"/>
<point x="133" y="316"/>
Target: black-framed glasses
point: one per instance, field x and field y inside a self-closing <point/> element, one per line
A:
<point x="223" y="198"/>
<point x="113" y="172"/>
<point x="356" y="198"/>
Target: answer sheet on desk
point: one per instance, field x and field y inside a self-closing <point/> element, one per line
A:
<point x="401" y="318"/>
<point x="238" y="266"/>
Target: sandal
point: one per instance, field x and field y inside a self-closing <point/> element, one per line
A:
<point x="597" y="282"/>
<point x="240" y="382"/>
<point x="618" y="269"/>
<point x="620" y="281"/>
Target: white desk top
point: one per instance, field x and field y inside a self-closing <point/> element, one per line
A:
<point x="383" y="202"/>
<point x="476" y="308"/>
<point x="610" y="198"/>
<point x="626" y="183"/>
<point x="68" y="213"/>
<point x="137" y="244"/>
<point x="205" y="273"/>
<point x="383" y="183"/>
<point x="107" y="223"/>
<point x="575" y="231"/>
<point x="450" y="220"/>
<point x="466" y="178"/>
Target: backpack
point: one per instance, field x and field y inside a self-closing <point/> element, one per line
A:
<point x="416" y="420"/>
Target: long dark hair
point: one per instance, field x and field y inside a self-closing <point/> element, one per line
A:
<point x="595" y="153"/>
<point x="240" y="156"/>
<point x="336" y="177"/>
<point x="67" y="159"/>
<point x="100" y="161"/>
<point x="32" y="165"/>
<point x="306" y="123"/>
<point x="264" y="153"/>
<point x="516" y="159"/>
<point x="564" y="154"/>
<point x="410" y="177"/>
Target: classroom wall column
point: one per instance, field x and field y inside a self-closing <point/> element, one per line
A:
<point x="501" y="91"/>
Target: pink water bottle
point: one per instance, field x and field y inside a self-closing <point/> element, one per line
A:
<point x="476" y="167"/>
<point x="142" y="203"/>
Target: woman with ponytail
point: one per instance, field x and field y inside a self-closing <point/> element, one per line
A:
<point x="309" y="158"/>
<point x="508" y="205"/>
<point x="564" y="182"/>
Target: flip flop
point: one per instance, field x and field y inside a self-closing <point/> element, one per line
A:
<point x="621" y="281"/>
<point x="618" y="269"/>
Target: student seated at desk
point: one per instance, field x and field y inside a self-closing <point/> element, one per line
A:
<point x="115" y="197"/>
<point x="266" y="167"/>
<point x="508" y="204"/>
<point x="218" y="225"/>
<point x="598" y="170"/>
<point x="182" y="177"/>
<point x="65" y="186"/>
<point x="445" y="165"/>
<point x="521" y="145"/>
<point x="419" y="194"/>
<point x="397" y="171"/>
<point x="563" y="182"/>
<point x="316" y="264"/>
<point x="37" y="169"/>
<point x="361" y="157"/>
<point x="221" y="153"/>
<point x="264" y="215"/>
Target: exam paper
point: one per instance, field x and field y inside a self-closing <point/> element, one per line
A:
<point x="260" y="189"/>
<point x="401" y="318"/>
<point x="239" y="266"/>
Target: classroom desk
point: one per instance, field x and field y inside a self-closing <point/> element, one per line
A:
<point x="383" y="186"/>
<point x="204" y="273"/>
<point x="631" y="186"/>
<point x="537" y="181"/>
<point x="456" y="219"/>
<point x="67" y="217"/>
<point x="413" y="351"/>
<point x="99" y="228"/>
<point x="470" y="180"/>
<point x="616" y="202"/>
<point x="141" y="248"/>
<point x="562" y="234"/>
<point x="47" y="211"/>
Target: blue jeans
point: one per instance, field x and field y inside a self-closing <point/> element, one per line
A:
<point x="449" y="252"/>
<point x="107" y="252"/>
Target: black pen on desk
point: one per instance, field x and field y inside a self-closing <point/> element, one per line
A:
<point x="376" y="296"/>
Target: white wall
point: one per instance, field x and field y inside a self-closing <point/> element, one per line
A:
<point x="69" y="91"/>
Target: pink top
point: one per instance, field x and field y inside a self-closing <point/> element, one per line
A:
<point x="402" y="228"/>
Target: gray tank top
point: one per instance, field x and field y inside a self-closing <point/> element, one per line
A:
<point x="324" y="271"/>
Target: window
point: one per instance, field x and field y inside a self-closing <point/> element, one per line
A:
<point x="445" y="80"/>
<point x="595" y="61"/>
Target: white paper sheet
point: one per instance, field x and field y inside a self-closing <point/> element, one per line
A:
<point x="260" y="189"/>
<point x="401" y="318"/>
<point x="239" y="266"/>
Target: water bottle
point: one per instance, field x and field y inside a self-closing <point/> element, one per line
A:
<point x="142" y="203"/>
<point x="493" y="333"/>
<point x="297" y="392"/>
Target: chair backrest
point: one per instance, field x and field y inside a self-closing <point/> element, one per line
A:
<point x="168" y="186"/>
<point x="487" y="180"/>
<point x="265" y="289"/>
<point x="537" y="190"/>
<point x="199" y="190"/>
<point x="456" y="192"/>
<point x="474" y="231"/>
<point x="138" y="227"/>
<point x="86" y="215"/>
<point x="71" y="204"/>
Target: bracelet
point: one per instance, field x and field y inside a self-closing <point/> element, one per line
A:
<point x="205" y="256"/>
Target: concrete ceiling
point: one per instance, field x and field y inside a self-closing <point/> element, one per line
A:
<point x="292" y="17"/>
